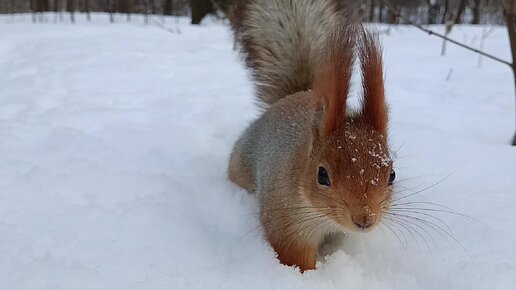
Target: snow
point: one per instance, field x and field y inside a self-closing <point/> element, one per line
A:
<point x="115" y="141"/>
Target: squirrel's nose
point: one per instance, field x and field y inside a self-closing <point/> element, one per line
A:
<point x="363" y="221"/>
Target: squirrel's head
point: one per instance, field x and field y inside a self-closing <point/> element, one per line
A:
<point x="349" y="174"/>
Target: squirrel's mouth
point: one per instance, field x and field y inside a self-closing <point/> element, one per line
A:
<point x="362" y="222"/>
<point x="364" y="229"/>
<point x="349" y="225"/>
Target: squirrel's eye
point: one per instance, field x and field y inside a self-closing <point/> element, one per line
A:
<point x="392" y="177"/>
<point x="322" y="177"/>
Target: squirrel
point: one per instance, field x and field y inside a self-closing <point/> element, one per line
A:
<point x="315" y="168"/>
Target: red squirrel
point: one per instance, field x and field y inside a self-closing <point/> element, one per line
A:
<point x="315" y="168"/>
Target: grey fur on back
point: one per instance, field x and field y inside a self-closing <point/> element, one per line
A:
<point x="271" y="146"/>
<point x="283" y="41"/>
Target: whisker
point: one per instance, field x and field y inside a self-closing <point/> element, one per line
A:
<point x="404" y="188"/>
<point x="413" y="177"/>
<point x="321" y="223"/>
<point x="423" y="223"/>
<point x="444" y="233"/>
<point x="286" y="209"/>
<point x="421" y="228"/>
<point x="345" y="204"/>
<point x="439" y="210"/>
<point x="409" y="230"/>
<point x="390" y="229"/>
<point x="422" y="202"/>
<point x="426" y="188"/>
<point x="404" y="156"/>
<point x="285" y="216"/>
<point x="380" y="227"/>
<point x="423" y="214"/>
<point x="437" y="228"/>
<point x="404" y="246"/>
<point x="395" y="152"/>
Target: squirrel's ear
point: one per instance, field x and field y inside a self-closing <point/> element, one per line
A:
<point x="333" y="77"/>
<point x="374" y="109"/>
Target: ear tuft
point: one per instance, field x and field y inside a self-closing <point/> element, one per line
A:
<point x="333" y="77"/>
<point x="374" y="109"/>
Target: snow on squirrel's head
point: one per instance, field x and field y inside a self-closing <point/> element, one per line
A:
<point x="348" y="176"/>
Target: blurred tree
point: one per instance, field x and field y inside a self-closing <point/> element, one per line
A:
<point x="510" y="18"/>
<point x="369" y="10"/>
<point x="169" y="7"/>
<point x="445" y="16"/>
<point x="87" y="9"/>
<point x="37" y="7"/>
<point x="70" y="7"/>
<point x="124" y="6"/>
<point x="111" y="10"/>
<point x="457" y="18"/>
<point x="433" y="9"/>
<point x="420" y="11"/>
<point x="146" y="10"/>
<point x="200" y="8"/>
<point x="477" y="6"/>
<point x="391" y="17"/>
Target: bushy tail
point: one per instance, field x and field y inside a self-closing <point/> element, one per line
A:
<point x="283" y="41"/>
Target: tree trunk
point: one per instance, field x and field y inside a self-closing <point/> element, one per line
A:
<point x="510" y="18"/>
<point x="460" y="11"/>
<point x="111" y="10"/>
<point x="200" y="8"/>
<point x="87" y="9"/>
<point x="124" y="6"/>
<point x="58" y="9"/>
<point x="169" y="7"/>
<point x="13" y="7"/>
<point x="391" y="17"/>
<point x="33" y="9"/>
<point x="70" y="7"/>
<point x="455" y="20"/>
<point x="153" y="7"/>
<point x="432" y="11"/>
<point x="380" y="12"/>
<point x="44" y="5"/>
<point x="146" y="9"/>
<point x="369" y="11"/>
<point x="476" y="12"/>
<point x="445" y="12"/>
<point x="38" y="7"/>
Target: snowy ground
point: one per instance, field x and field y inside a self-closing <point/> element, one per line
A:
<point x="115" y="141"/>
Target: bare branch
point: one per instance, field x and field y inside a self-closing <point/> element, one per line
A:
<point x="430" y="32"/>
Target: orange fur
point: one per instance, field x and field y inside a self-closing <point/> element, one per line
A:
<point x="280" y="155"/>
<point x="374" y="107"/>
<point x="332" y="81"/>
<point x="295" y="253"/>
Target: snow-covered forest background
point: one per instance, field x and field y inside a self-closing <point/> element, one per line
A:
<point x="420" y="11"/>
<point x="115" y="133"/>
